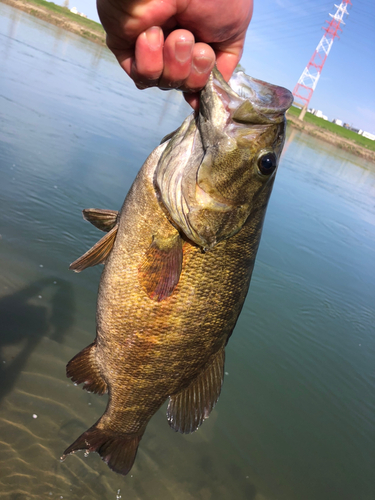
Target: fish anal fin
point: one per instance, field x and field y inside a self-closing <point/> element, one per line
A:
<point x="105" y="220"/>
<point x="118" y="451"/>
<point x="97" y="254"/>
<point x="84" y="369"/>
<point x="161" y="267"/>
<point x="189" y="408"/>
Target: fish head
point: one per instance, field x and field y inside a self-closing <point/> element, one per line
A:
<point x="224" y="161"/>
<point x="242" y="127"/>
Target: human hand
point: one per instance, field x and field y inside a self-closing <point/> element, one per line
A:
<point x="174" y="43"/>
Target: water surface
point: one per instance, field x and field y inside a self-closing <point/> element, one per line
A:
<point x="295" y="420"/>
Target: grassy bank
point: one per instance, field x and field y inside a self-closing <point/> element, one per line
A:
<point x="333" y="137"/>
<point x="335" y="129"/>
<point x="61" y="16"/>
<point x="69" y="15"/>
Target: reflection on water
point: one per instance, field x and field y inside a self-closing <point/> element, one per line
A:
<point x="25" y="323"/>
<point x="296" y="416"/>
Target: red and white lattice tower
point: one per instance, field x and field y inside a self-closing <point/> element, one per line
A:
<point x="306" y="85"/>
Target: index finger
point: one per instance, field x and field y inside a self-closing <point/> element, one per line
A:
<point x="228" y="56"/>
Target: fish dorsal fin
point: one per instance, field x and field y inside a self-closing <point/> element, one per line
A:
<point x="189" y="408"/>
<point x="84" y="369"/>
<point x="161" y="267"/>
<point x="105" y="220"/>
<point x="97" y="254"/>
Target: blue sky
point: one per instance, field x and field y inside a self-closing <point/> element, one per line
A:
<point x="282" y="38"/>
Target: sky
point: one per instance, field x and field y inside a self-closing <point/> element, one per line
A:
<point x="281" y="39"/>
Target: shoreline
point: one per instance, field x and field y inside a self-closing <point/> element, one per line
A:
<point x="62" y="17"/>
<point x="331" y="138"/>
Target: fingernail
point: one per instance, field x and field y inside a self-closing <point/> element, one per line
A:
<point x="202" y="64"/>
<point x="153" y="36"/>
<point x="183" y="50"/>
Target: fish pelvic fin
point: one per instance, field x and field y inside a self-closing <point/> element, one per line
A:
<point x="118" y="451"/>
<point x="97" y="254"/>
<point x="189" y="408"/>
<point x="84" y="369"/>
<point x="161" y="267"/>
<point x="105" y="220"/>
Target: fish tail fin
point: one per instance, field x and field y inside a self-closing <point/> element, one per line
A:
<point x="118" y="451"/>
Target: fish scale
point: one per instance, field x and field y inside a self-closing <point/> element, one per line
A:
<point x="178" y="262"/>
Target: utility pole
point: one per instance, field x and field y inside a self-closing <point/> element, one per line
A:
<point x="306" y="85"/>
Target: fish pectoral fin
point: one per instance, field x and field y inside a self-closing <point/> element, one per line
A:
<point x="161" y="267"/>
<point x="117" y="450"/>
<point x="84" y="369"/>
<point x="105" y="220"/>
<point x="97" y="254"/>
<point x="189" y="408"/>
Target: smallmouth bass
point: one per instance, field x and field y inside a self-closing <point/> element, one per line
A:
<point x="178" y="262"/>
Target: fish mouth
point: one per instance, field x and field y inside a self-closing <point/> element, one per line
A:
<point x="266" y="98"/>
<point x="245" y="99"/>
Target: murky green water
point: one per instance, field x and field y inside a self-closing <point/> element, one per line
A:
<point x="295" y="420"/>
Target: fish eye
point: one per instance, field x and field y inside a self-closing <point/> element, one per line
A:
<point x="267" y="163"/>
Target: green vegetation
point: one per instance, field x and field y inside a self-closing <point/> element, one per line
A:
<point x="336" y="129"/>
<point x="69" y="15"/>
